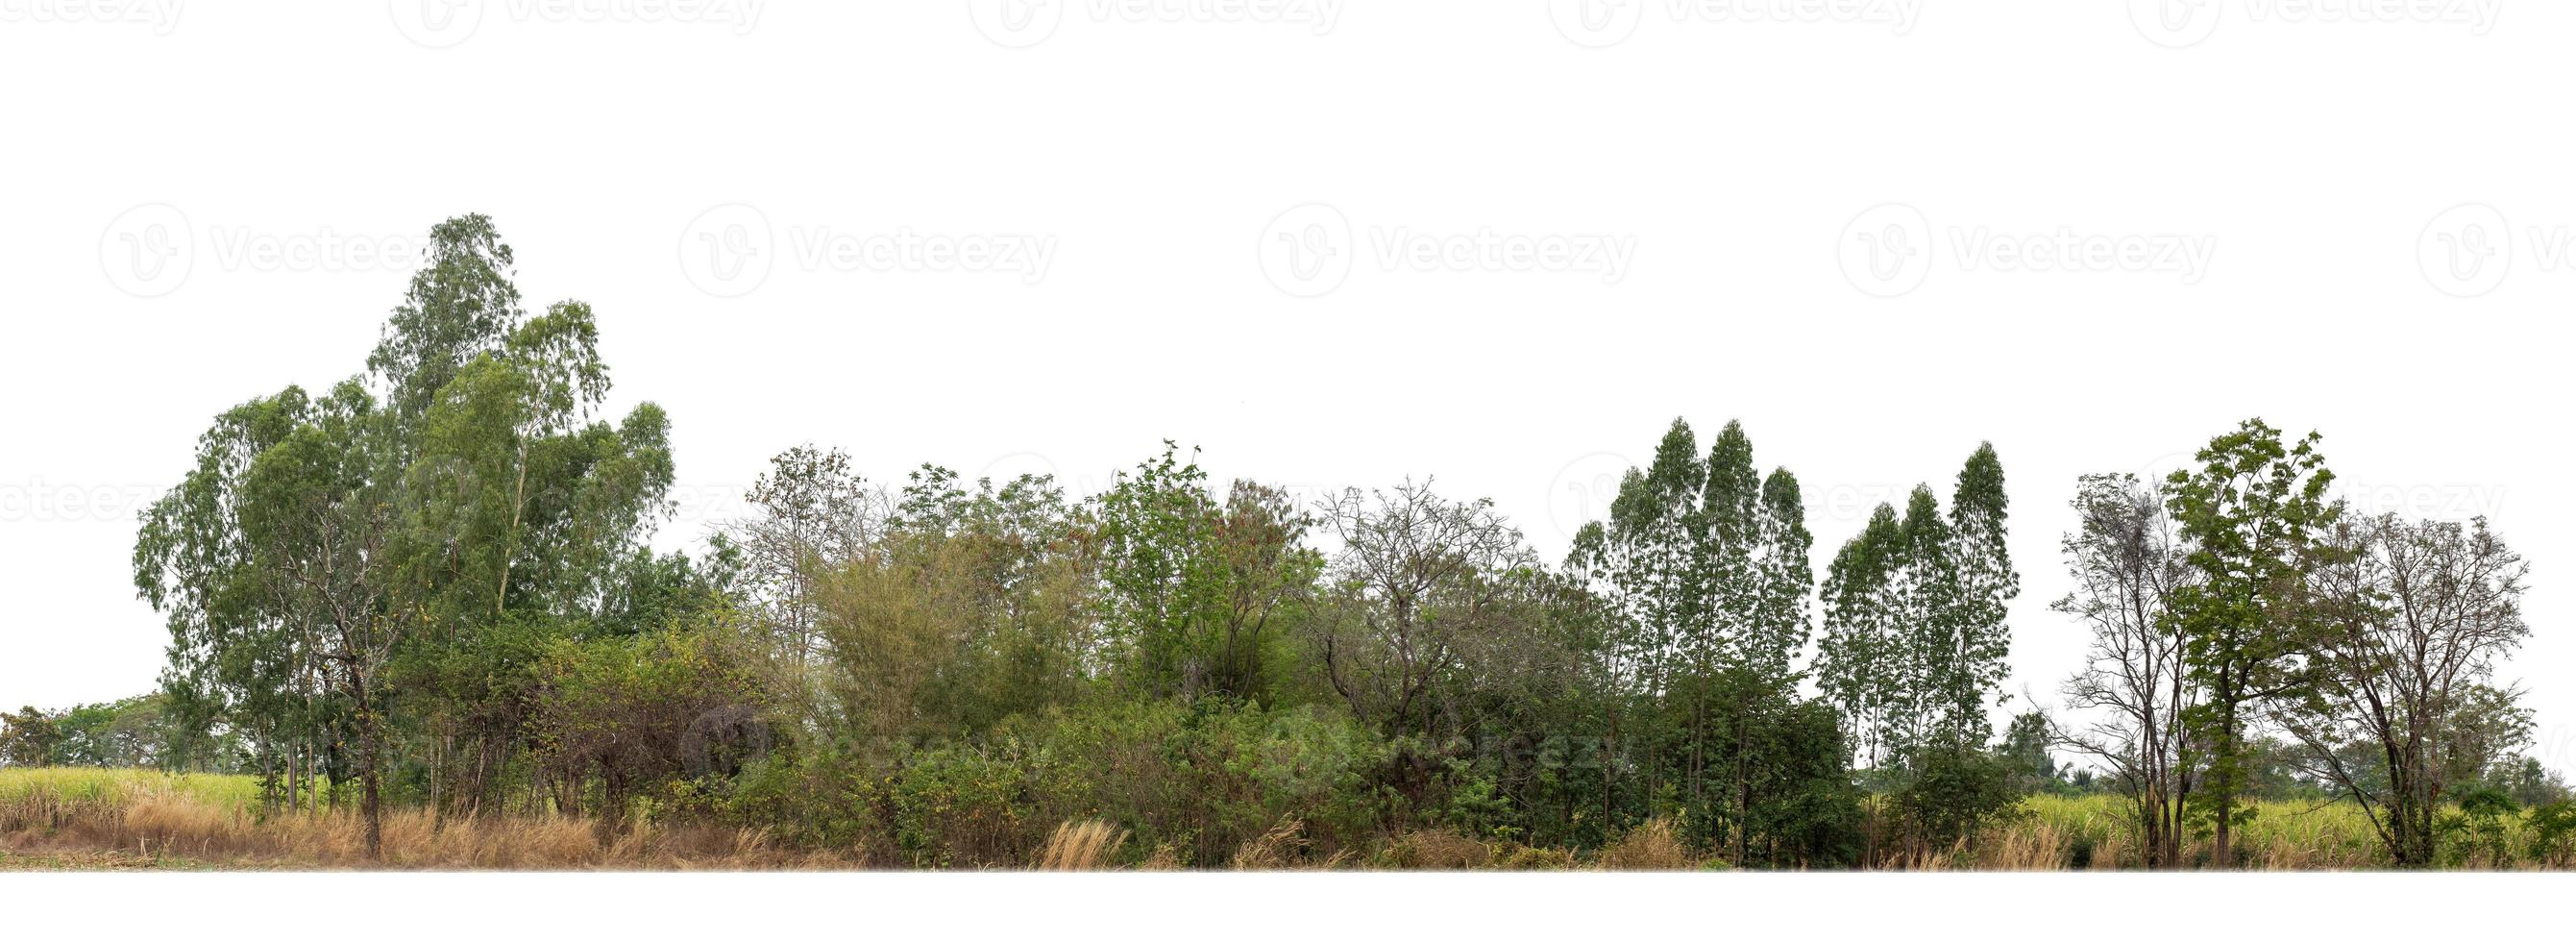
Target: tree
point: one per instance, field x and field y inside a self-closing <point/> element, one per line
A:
<point x="2416" y="617"/>
<point x="1419" y="585"/>
<point x="2128" y="563"/>
<point x="318" y="540"/>
<point x="2025" y="751"/>
<point x="1707" y="563"/>
<point x="28" y="739"/>
<point x="2255" y="514"/>
<point x="1191" y="584"/>
<point x="1859" y="657"/>
<point x="1985" y="584"/>
<point x="811" y="513"/>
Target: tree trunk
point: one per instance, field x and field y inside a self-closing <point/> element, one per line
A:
<point x="2229" y="781"/>
<point x="371" y="775"/>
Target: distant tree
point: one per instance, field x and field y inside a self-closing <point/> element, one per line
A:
<point x="2025" y="750"/>
<point x="2255" y="515"/>
<point x="28" y="738"/>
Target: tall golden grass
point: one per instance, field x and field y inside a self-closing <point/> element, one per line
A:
<point x="1081" y="845"/>
<point x="214" y="821"/>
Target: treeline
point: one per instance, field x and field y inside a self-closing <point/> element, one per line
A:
<point x="135" y="732"/>
<point x="430" y="586"/>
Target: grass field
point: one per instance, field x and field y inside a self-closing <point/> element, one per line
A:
<point x="95" y="819"/>
<point x="73" y="818"/>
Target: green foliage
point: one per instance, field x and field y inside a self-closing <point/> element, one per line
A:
<point x="329" y="561"/>
<point x="2255" y="513"/>
<point x="28" y="738"/>
<point x="1194" y="587"/>
<point x="638" y="715"/>
<point x="434" y="579"/>
<point x="1951" y="793"/>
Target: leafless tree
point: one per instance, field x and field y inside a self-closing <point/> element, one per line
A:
<point x="2127" y="561"/>
<point x="1415" y="596"/>
<point x="2417" y="615"/>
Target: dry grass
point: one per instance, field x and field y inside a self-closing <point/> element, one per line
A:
<point x="115" y="819"/>
<point x="1439" y="850"/>
<point x="1648" y="846"/>
<point x="59" y="812"/>
<point x="1081" y="845"/>
<point x="1285" y="847"/>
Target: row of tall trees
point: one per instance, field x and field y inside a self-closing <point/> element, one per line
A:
<point x="430" y="584"/>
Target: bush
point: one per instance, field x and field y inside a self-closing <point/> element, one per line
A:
<point x="1949" y="794"/>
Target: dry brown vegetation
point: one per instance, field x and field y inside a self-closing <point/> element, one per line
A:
<point x="98" y="820"/>
<point x="1648" y="846"/>
<point x="1081" y="845"/>
<point x="148" y="822"/>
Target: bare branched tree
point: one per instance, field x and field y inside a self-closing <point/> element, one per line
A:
<point x="2127" y="560"/>
<point x="2417" y="616"/>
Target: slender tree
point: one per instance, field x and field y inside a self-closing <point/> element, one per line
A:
<point x="2255" y="514"/>
<point x="2127" y="563"/>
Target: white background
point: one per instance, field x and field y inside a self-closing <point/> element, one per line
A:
<point x="194" y="200"/>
